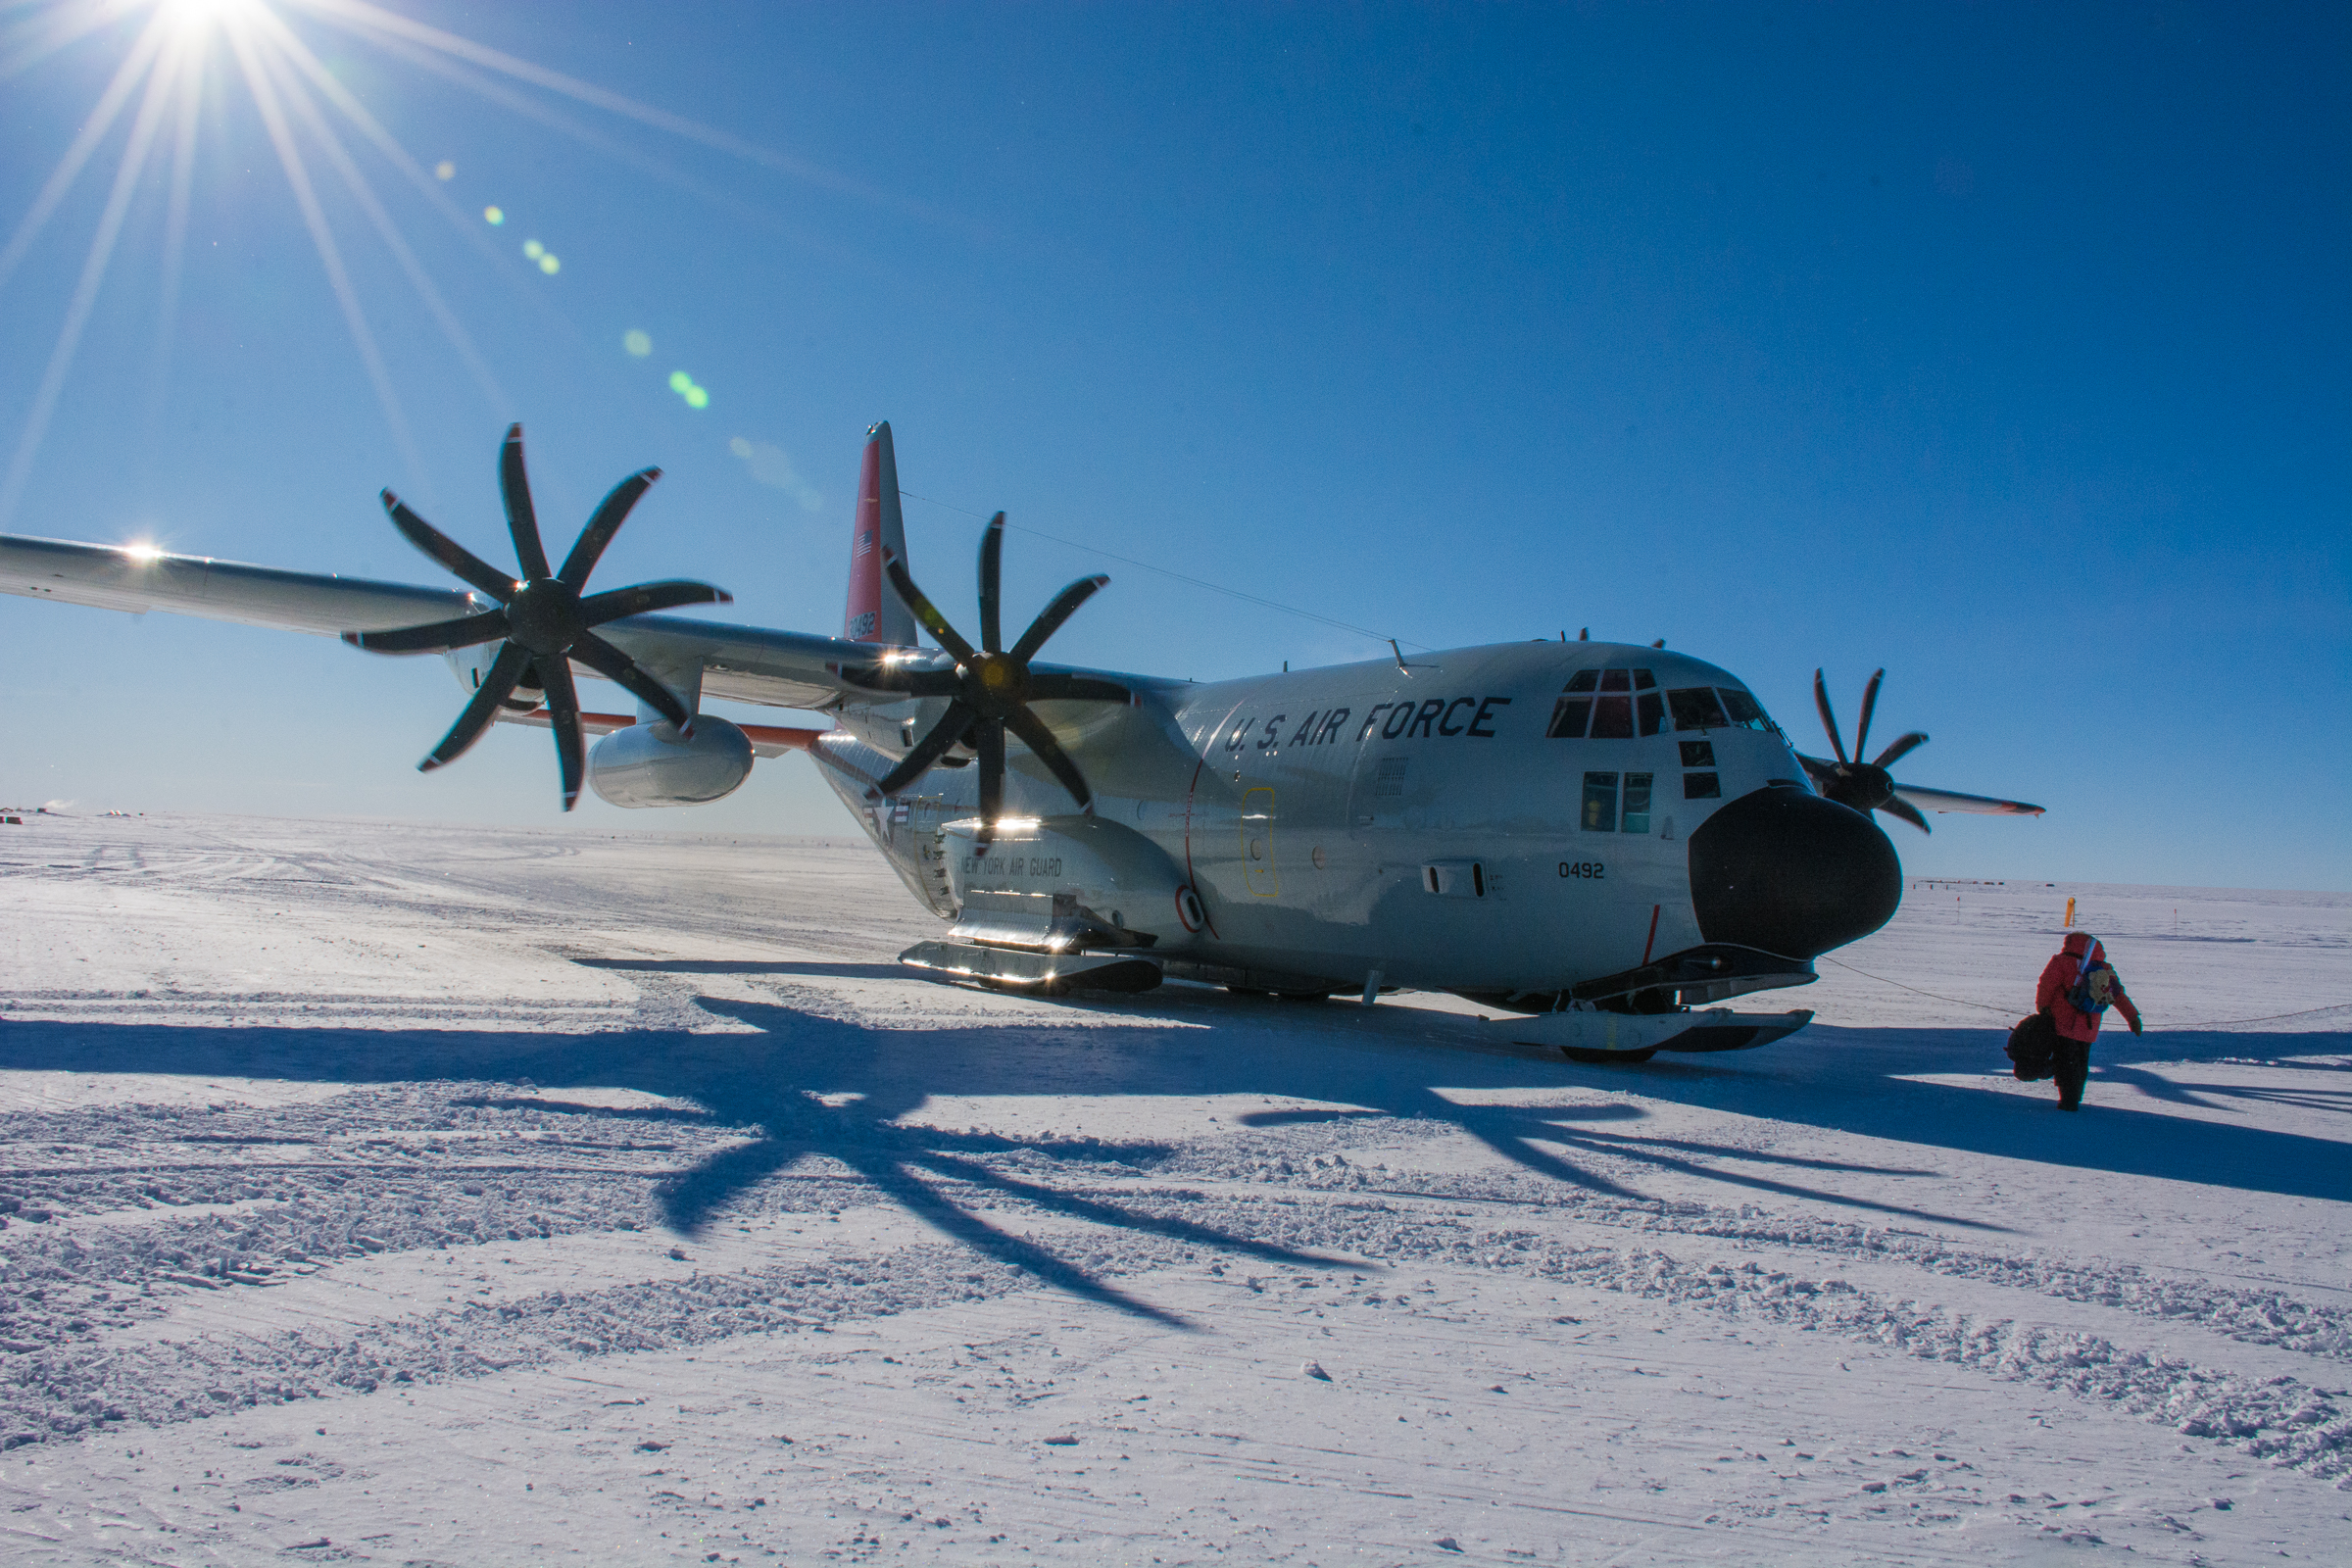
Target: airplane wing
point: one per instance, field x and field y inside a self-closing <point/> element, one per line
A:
<point x="1928" y="799"/>
<point x="1823" y="774"/>
<point x="745" y="664"/>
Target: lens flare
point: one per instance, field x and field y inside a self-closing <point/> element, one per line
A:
<point x="549" y="264"/>
<point x="637" y="343"/>
<point x="494" y="215"/>
<point x="445" y="170"/>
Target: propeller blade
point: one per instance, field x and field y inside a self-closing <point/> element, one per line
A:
<point x="1822" y="774"/>
<point x="563" y="716"/>
<point x="515" y="486"/>
<point x="1953" y="800"/>
<point x="1828" y="720"/>
<point x="924" y="611"/>
<point x="505" y="671"/>
<point x="991" y="747"/>
<point x="1897" y="806"/>
<point x="992" y="582"/>
<point x="437" y="638"/>
<point x="611" y="514"/>
<point x="899" y="680"/>
<point x="1903" y="746"/>
<point x="1040" y="741"/>
<point x="1869" y="703"/>
<point x="1058" y="687"/>
<point x="929" y="750"/>
<point x="1048" y="621"/>
<point x="617" y="666"/>
<point x="498" y="585"/>
<point x="644" y="598"/>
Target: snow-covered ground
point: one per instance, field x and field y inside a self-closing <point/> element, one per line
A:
<point x="425" y="1194"/>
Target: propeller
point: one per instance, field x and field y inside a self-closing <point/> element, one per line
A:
<point x="544" y="621"/>
<point x="1864" y="787"/>
<point x="990" y="687"/>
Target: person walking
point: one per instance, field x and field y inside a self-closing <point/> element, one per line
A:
<point x="2078" y="987"/>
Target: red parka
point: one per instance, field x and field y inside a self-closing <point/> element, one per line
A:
<point x="2058" y="978"/>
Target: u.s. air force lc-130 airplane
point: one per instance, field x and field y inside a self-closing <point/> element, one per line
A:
<point x="1598" y="840"/>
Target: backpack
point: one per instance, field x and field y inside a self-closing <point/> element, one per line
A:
<point x="2093" y="990"/>
<point x="2033" y="1048"/>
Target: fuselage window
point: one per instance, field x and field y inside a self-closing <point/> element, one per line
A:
<point x="1695" y="708"/>
<point x="1601" y="803"/>
<point x="1637" y="804"/>
<point x="1568" y="717"/>
<point x="1701" y="786"/>
<point x="1652" y="710"/>
<point x="1613" y="716"/>
<point x="1744" y="710"/>
<point x="1698" y="754"/>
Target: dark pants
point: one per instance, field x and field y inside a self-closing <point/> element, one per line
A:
<point x="2069" y="1065"/>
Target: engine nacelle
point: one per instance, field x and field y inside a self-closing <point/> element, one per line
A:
<point x="649" y="764"/>
<point x="470" y="664"/>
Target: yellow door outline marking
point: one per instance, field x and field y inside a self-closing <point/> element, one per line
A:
<point x="1258" y="844"/>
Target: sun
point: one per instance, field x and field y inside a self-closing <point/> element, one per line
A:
<point x="196" y="15"/>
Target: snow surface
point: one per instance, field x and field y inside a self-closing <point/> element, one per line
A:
<point x="424" y="1194"/>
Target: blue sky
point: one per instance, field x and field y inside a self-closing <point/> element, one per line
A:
<point x="2002" y="347"/>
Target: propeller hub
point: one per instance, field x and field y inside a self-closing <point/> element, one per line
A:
<point x="999" y="683"/>
<point x="545" y="616"/>
<point x="1862" y="787"/>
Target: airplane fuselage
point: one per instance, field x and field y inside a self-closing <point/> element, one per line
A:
<point x="1464" y="823"/>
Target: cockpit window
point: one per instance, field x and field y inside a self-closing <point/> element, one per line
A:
<point x="1744" y="710"/>
<point x="1695" y="708"/>
<point x="1614" y="717"/>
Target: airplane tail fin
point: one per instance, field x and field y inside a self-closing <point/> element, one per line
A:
<point x="875" y="614"/>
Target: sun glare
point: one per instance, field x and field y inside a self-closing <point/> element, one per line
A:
<point x="182" y="60"/>
<point x="142" y="553"/>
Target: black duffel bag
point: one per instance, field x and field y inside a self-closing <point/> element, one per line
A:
<point x="2034" y="1046"/>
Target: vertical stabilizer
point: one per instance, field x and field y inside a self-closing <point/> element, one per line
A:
<point x="875" y="614"/>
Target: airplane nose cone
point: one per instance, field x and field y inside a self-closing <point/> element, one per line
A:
<point x="1792" y="873"/>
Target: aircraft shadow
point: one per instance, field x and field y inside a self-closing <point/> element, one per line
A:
<point x="808" y="1084"/>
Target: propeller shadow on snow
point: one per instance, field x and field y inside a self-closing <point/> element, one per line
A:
<point x="835" y="1089"/>
<point x="1519" y="1133"/>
